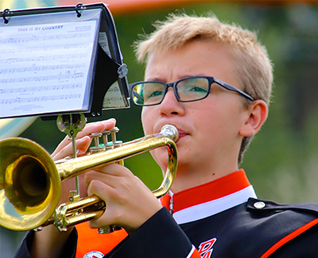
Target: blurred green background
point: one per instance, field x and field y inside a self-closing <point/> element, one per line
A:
<point x="281" y="162"/>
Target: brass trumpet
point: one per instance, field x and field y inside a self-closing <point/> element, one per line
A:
<point x="30" y="181"/>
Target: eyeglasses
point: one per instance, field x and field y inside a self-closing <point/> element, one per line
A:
<point x="150" y="93"/>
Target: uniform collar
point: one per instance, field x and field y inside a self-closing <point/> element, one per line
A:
<point x="215" y="196"/>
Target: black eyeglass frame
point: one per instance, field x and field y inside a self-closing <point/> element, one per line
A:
<point x="173" y="85"/>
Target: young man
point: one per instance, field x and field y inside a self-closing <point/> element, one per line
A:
<point x="213" y="82"/>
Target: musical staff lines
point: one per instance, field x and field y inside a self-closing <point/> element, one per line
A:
<point x="37" y="49"/>
<point x="44" y="78"/>
<point x="34" y="38"/>
<point x="46" y="68"/>
<point x="21" y="90"/>
<point x="22" y="100"/>
<point x="41" y="58"/>
<point x="39" y="68"/>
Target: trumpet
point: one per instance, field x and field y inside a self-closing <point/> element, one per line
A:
<point x="30" y="181"/>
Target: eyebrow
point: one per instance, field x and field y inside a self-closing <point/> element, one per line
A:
<point x="180" y="77"/>
<point x="154" y="79"/>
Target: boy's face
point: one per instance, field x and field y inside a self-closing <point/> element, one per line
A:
<point x="209" y="128"/>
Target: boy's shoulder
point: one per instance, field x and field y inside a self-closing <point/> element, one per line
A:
<point x="260" y="228"/>
<point x="289" y="229"/>
<point x="263" y="207"/>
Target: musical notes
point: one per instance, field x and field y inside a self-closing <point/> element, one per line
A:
<point x="39" y="99"/>
<point x="113" y="97"/>
<point x="35" y="39"/>
<point x="35" y="68"/>
<point x="46" y="68"/>
<point x="44" y="88"/>
<point x="46" y="49"/>
<point x="44" y="78"/>
<point x="21" y="60"/>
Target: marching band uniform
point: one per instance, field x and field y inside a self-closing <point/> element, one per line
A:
<point x="221" y="218"/>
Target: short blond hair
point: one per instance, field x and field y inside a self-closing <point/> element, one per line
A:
<point x="253" y="66"/>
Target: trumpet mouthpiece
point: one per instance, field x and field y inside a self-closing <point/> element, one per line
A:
<point x="170" y="131"/>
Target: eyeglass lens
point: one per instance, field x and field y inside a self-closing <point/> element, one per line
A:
<point x="151" y="93"/>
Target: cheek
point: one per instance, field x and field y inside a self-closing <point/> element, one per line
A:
<point x="211" y="121"/>
<point x="160" y="155"/>
<point x="147" y="120"/>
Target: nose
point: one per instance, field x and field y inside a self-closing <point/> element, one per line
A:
<point x="170" y="105"/>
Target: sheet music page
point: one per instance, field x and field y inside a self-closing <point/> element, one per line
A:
<point x="45" y="67"/>
<point x="114" y="97"/>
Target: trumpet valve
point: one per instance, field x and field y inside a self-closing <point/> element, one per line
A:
<point x="98" y="147"/>
<point x="116" y="143"/>
<point x="108" y="145"/>
<point x="113" y="133"/>
<point x="74" y="196"/>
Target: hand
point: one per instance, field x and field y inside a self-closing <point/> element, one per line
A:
<point x="83" y="141"/>
<point x="129" y="202"/>
<point x="50" y="242"/>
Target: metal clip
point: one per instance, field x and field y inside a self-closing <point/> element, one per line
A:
<point x="122" y="71"/>
<point x="5" y="12"/>
<point x="78" y="8"/>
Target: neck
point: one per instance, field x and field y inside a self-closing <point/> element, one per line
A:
<point x="187" y="177"/>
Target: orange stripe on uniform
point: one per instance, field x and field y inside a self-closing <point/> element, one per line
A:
<point x="289" y="237"/>
<point x="194" y="253"/>
<point x="90" y="240"/>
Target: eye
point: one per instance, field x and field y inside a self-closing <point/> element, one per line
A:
<point x="194" y="86"/>
<point x="197" y="89"/>
<point x="154" y="94"/>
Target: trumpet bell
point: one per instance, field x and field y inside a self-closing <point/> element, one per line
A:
<point x="29" y="184"/>
<point x="30" y="181"/>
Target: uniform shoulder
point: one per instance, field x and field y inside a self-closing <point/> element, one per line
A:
<point x="287" y="230"/>
<point x="267" y="207"/>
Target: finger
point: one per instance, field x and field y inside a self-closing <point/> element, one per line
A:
<point x="109" y="179"/>
<point x="61" y="145"/>
<point x="97" y="127"/>
<point x="128" y="207"/>
<point x="111" y="174"/>
<point x="81" y="146"/>
<point x="102" y="190"/>
<point x="90" y="128"/>
<point x="114" y="169"/>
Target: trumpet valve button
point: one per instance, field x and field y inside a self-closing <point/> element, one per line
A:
<point x="96" y="137"/>
<point x="105" y="137"/>
<point x="113" y="133"/>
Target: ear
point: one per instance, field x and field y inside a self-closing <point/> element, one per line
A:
<point x="257" y="115"/>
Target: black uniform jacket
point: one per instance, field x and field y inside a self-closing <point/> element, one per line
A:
<point x="219" y="219"/>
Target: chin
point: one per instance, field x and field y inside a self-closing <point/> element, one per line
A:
<point x="160" y="155"/>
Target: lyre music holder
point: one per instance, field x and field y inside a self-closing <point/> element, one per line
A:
<point x="60" y="60"/>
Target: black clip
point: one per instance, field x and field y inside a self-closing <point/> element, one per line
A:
<point x="78" y="9"/>
<point x="6" y="11"/>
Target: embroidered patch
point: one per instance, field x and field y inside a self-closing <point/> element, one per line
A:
<point x="94" y="254"/>
<point x="206" y="248"/>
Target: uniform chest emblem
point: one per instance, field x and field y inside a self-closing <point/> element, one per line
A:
<point x="206" y="248"/>
<point x="94" y="254"/>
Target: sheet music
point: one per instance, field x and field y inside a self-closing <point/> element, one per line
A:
<point x="114" y="97"/>
<point x="45" y="68"/>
